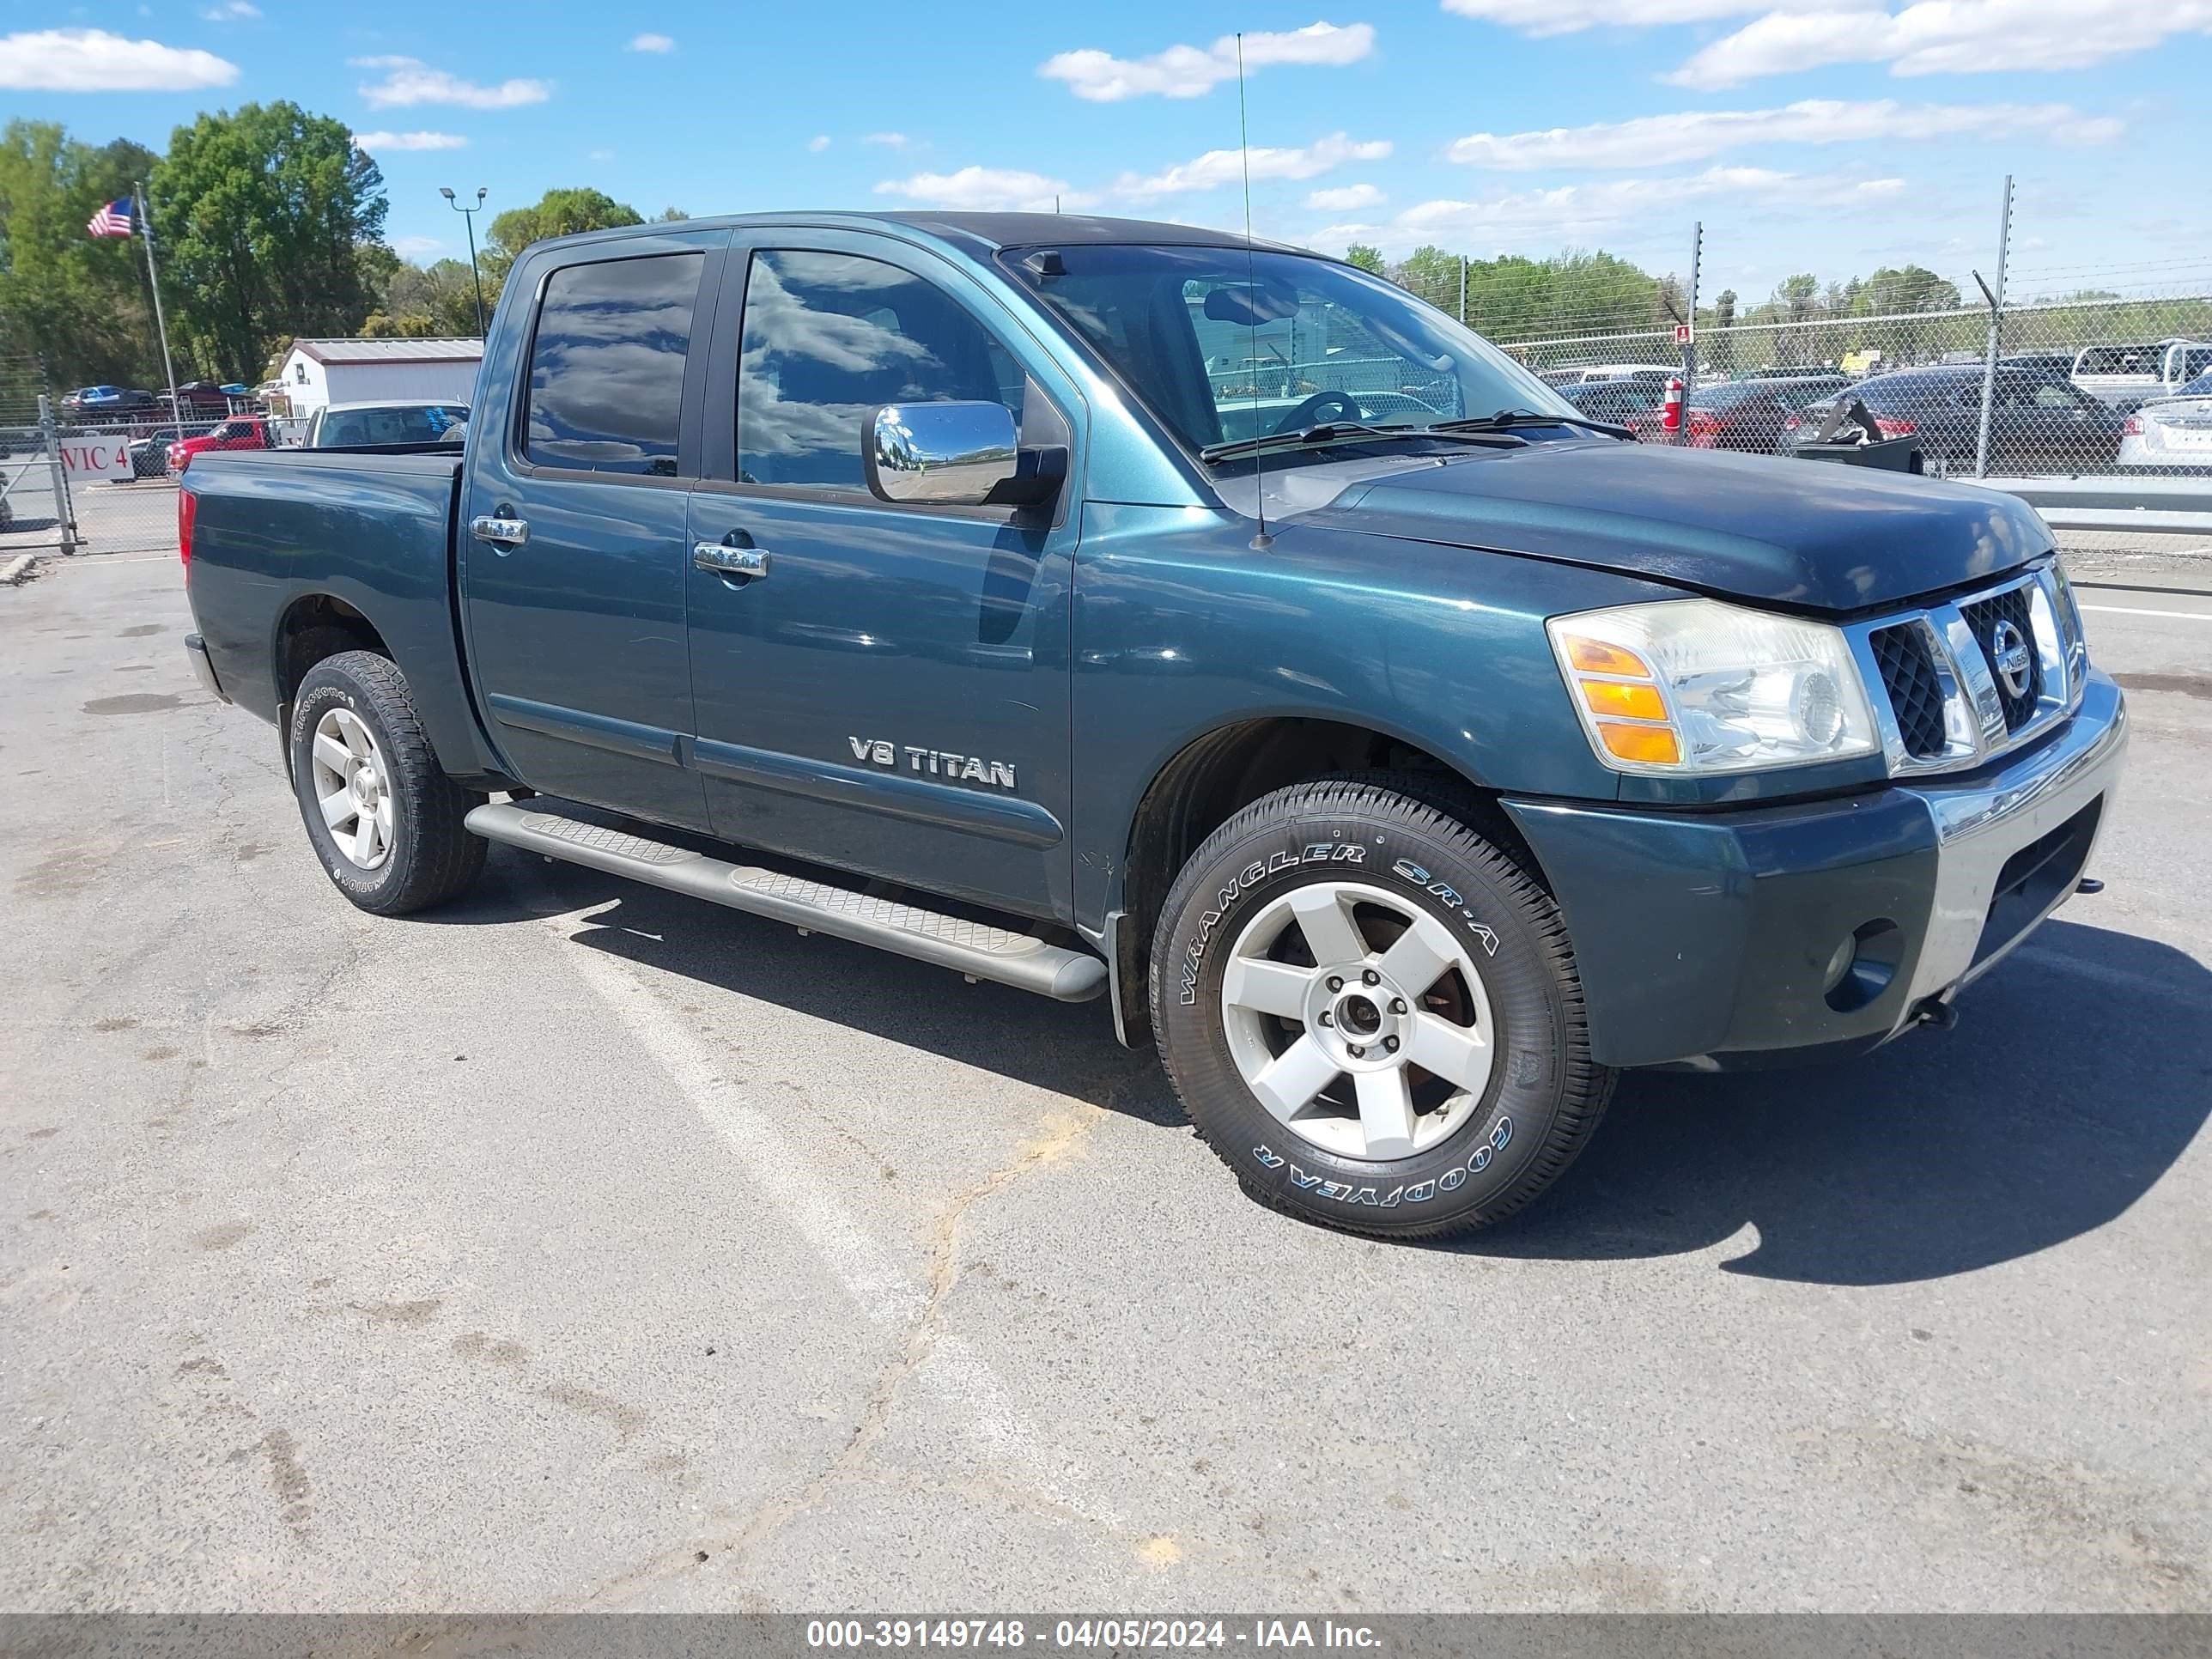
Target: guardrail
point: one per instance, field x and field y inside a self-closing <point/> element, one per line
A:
<point x="2147" y="505"/>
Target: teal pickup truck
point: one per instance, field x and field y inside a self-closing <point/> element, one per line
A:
<point x="1113" y="609"/>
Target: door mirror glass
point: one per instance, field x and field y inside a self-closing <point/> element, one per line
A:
<point x="947" y="454"/>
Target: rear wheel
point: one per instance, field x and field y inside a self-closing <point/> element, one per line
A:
<point x="1372" y="1012"/>
<point x="385" y="819"/>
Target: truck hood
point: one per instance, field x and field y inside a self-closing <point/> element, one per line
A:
<point x="1808" y="534"/>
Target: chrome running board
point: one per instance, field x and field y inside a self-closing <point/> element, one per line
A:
<point x="974" y="948"/>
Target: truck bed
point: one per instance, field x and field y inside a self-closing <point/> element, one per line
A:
<point x="274" y="529"/>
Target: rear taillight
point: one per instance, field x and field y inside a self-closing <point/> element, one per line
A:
<point x="1791" y="424"/>
<point x="2132" y="427"/>
<point x="1890" y="429"/>
<point x="188" y="507"/>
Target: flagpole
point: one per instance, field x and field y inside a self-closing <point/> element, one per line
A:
<point x="146" y="222"/>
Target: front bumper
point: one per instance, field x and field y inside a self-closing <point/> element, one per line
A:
<point x="1711" y="938"/>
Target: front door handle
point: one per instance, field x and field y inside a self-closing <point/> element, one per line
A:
<point x="746" y="561"/>
<point x="499" y="531"/>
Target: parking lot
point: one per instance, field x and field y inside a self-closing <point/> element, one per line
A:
<point x="583" y="1248"/>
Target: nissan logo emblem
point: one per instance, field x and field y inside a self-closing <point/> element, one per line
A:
<point x="2010" y="657"/>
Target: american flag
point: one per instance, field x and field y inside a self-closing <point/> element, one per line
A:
<point x="113" y="220"/>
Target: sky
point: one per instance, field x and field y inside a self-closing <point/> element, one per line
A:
<point x="1829" y="135"/>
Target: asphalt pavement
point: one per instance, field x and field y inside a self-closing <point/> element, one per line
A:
<point x="582" y="1247"/>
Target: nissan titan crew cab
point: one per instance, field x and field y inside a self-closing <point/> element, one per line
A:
<point x="1105" y="608"/>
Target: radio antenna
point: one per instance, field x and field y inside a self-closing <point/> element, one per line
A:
<point x="1263" y="541"/>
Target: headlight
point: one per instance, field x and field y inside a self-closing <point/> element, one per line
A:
<point x="1696" y="686"/>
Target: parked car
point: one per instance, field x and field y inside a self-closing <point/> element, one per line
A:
<point x="241" y="432"/>
<point x="105" y="403"/>
<point x="1659" y="374"/>
<point x="2125" y="376"/>
<point x="150" y="452"/>
<point x="2174" y="431"/>
<point x="1747" y="415"/>
<point x="198" y="400"/>
<point x="346" y="425"/>
<point x="1617" y="401"/>
<point x="2037" y="424"/>
<point x="1403" y="780"/>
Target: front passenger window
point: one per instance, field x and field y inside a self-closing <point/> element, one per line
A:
<point x="828" y="336"/>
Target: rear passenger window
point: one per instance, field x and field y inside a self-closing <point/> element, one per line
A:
<point x="606" y="366"/>
<point x="829" y="336"/>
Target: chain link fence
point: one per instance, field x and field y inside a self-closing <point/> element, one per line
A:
<point x="2093" y="370"/>
<point x="74" y="480"/>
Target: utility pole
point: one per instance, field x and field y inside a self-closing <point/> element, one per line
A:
<point x="1463" y="292"/>
<point x="161" y="324"/>
<point x="469" y="214"/>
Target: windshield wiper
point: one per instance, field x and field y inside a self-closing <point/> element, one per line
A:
<point x="1506" y="419"/>
<point x="1337" y="432"/>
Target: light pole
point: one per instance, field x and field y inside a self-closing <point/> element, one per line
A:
<point x="469" y="214"/>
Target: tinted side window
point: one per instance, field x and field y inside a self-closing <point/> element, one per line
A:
<point x="606" y="368"/>
<point x="829" y="336"/>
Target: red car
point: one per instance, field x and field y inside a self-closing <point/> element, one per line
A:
<point x="240" y="432"/>
<point x="1750" y="415"/>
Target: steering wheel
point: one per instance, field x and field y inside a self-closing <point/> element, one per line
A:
<point x="1340" y="405"/>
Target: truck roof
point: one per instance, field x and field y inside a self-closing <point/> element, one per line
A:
<point x="975" y="233"/>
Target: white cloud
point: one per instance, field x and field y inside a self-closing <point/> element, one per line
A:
<point x="408" y="248"/>
<point x="1580" y="212"/>
<point x="1194" y="71"/>
<point x="1218" y="168"/>
<point x="1566" y="16"/>
<point x="651" y="43"/>
<point x="93" y="60"/>
<point x="983" y="190"/>
<point x="888" y="140"/>
<point x="376" y="141"/>
<point x="1942" y="37"/>
<point x="231" y="11"/>
<point x="1658" y="141"/>
<point x="409" y="81"/>
<point x="599" y="155"/>
<point x="1347" y="198"/>
<point x="819" y="142"/>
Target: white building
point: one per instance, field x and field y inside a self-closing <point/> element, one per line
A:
<point x="320" y="371"/>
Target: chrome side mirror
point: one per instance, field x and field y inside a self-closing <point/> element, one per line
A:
<point x="954" y="454"/>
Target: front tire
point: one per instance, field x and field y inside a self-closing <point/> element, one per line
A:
<point x="384" y="817"/>
<point x="1371" y="1012"/>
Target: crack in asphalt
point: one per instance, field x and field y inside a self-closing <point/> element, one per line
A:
<point x="1066" y="1129"/>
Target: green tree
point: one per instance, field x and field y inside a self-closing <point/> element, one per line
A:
<point x="1890" y="292"/>
<point x="79" y="303"/>
<point x="265" y="215"/>
<point x="415" y="302"/>
<point x="556" y="213"/>
<point x="1367" y="259"/>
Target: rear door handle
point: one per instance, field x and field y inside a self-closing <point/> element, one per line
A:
<point x="729" y="560"/>
<point x="500" y="532"/>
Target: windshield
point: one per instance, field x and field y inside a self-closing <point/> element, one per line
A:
<point x="1223" y="345"/>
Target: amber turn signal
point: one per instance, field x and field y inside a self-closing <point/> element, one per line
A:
<point x="1653" y="745"/>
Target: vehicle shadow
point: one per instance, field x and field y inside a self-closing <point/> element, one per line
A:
<point x="2080" y="1069"/>
<point x="1070" y="1050"/>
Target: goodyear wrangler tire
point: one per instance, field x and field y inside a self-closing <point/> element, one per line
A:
<point x="1371" y="1013"/>
<point x="385" y="819"/>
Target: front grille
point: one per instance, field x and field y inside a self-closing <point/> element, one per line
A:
<point x="1984" y="616"/>
<point x="1908" y="674"/>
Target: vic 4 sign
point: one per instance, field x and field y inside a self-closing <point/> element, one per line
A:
<point x="85" y="460"/>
